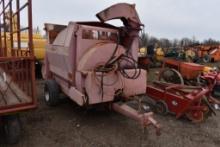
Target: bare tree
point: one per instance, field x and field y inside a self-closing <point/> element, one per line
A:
<point x="211" y="41"/>
<point x="175" y="43"/>
<point x="153" y="41"/>
<point x="165" y="43"/>
<point x="147" y="40"/>
<point x="144" y="39"/>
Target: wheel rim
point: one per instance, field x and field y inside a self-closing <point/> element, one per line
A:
<point x="171" y="76"/>
<point x="161" y="108"/>
<point x="200" y="81"/>
<point x="195" y="116"/>
<point x="46" y="95"/>
<point x="206" y="58"/>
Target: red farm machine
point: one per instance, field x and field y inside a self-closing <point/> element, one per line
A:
<point x="17" y="79"/>
<point x="95" y="62"/>
<point x="184" y="89"/>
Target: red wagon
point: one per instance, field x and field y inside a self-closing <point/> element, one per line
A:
<point x="17" y="66"/>
<point x="181" y="100"/>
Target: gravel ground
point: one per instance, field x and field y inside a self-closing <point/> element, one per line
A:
<point x="68" y="125"/>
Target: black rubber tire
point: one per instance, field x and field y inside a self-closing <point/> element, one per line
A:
<point x="200" y="81"/>
<point x="161" y="108"/>
<point x="206" y="58"/>
<point x="51" y="93"/>
<point x="12" y="129"/>
<point x="38" y="66"/>
<point x="216" y="92"/>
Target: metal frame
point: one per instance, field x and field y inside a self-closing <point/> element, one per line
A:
<point x="20" y="64"/>
<point x="179" y="101"/>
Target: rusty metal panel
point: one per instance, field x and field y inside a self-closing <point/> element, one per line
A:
<point x="17" y="62"/>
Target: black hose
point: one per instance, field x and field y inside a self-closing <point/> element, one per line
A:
<point x="133" y="63"/>
<point x="113" y="54"/>
<point x="108" y="66"/>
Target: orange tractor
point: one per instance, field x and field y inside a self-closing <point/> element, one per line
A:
<point x="204" y="53"/>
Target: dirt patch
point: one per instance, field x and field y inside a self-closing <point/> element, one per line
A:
<point x="69" y="125"/>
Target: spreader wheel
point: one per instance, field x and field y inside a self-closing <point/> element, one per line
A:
<point x="161" y="107"/>
<point x="200" y="81"/>
<point x="209" y="110"/>
<point x="207" y="113"/>
<point x="171" y="75"/>
<point x="195" y="116"/>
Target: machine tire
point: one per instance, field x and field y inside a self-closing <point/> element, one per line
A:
<point x="161" y="108"/>
<point x="12" y="129"/>
<point x="174" y="77"/>
<point x="38" y="66"/>
<point x="206" y="58"/>
<point x="51" y="93"/>
<point x="195" y="116"/>
<point x="200" y="81"/>
<point x="216" y="91"/>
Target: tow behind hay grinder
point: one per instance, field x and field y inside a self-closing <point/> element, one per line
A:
<point x="95" y="62"/>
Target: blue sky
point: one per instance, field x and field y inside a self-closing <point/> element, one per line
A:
<point x="162" y="18"/>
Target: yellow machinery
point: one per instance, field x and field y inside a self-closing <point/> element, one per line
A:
<point x="38" y="41"/>
<point x="190" y="55"/>
<point x="142" y="52"/>
<point x="38" y="44"/>
<point x="207" y="69"/>
<point x="38" y="47"/>
<point x="159" y="54"/>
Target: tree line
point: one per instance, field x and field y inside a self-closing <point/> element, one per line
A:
<point x="147" y="40"/>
